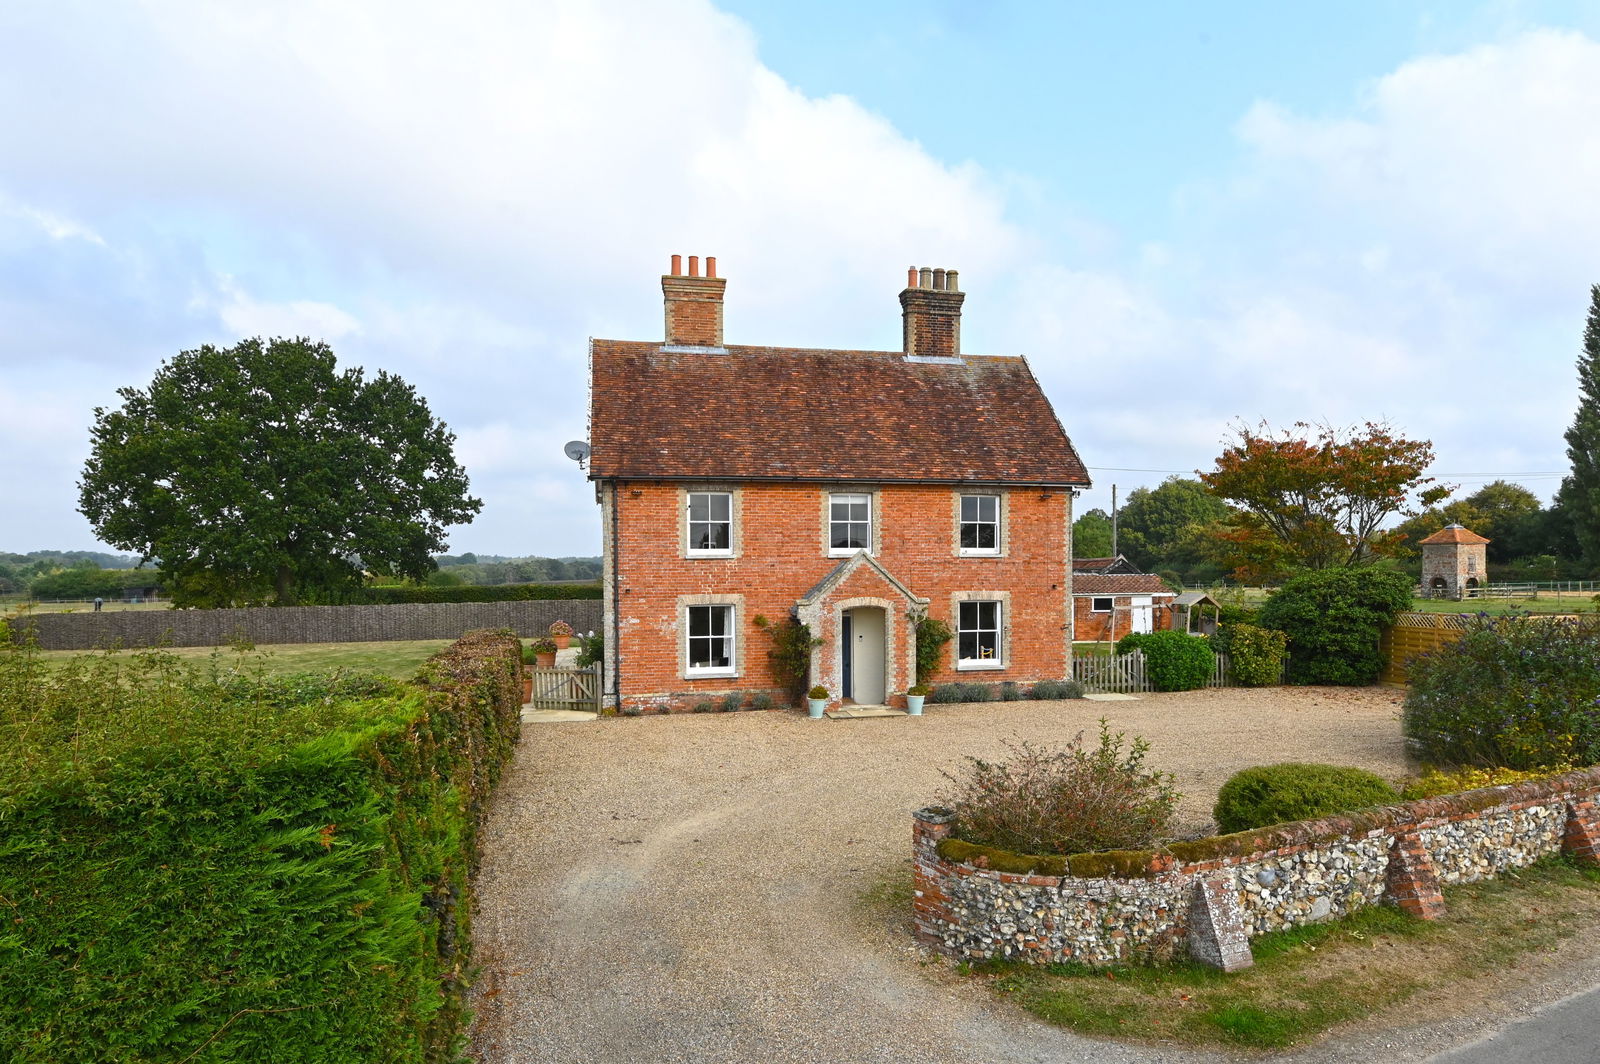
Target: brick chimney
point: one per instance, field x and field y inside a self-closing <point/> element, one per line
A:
<point x="932" y="306"/>
<point x="694" y="303"/>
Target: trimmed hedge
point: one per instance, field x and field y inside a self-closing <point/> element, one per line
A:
<point x="390" y="596"/>
<point x="201" y="869"/>
<point x="1278" y="794"/>
<point x="1333" y="618"/>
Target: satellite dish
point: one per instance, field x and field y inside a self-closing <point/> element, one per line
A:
<point x="577" y="450"/>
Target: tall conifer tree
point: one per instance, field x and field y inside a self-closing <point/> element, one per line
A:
<point x="1580" y="493"/>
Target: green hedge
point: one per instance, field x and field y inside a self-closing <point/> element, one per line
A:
<point x="388" y="596"/>
<point x="197" y="872"/>
<point x="1278" y="794"/>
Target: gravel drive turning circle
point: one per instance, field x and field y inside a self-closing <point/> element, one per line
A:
<point x="690" y="888"/>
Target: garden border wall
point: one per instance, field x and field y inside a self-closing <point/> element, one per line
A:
<point x="1209" y="897"/>
<point x="300" y="624"/>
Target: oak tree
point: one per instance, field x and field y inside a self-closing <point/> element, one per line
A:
<point x="262" y="471"/>
<point x="1316" y="496"/>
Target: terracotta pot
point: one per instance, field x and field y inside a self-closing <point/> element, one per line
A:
<point x="562" y="641"/>
<point x="545" y="659"/>
<point x="527" y="686"/>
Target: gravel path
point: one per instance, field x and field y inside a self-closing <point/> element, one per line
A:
<point x="690" y="888"/>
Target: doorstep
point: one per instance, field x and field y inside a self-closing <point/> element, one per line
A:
<point x="862" y="712"/>
<point x="1107" y="696"/>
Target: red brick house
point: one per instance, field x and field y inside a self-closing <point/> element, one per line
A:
<point x="1107" y="606"/>
<point x="849" y="489"/>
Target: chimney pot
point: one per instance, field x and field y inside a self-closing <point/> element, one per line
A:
<point x="926" y="278"/>
<point x="694" y="265"/>
<point x="677" y="265"/>
<point x="952" y="281"/>
<point x="938" y="279"/>
<point x="711" y="265"/>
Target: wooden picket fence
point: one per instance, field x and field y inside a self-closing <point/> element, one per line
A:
<point x="1125" y="673"/>
<point x="557" y="688"/>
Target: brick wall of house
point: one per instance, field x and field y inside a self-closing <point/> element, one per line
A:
<point x="1093" y="627"/>
<point x="780" y="553"/>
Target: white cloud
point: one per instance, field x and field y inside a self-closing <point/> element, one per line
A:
<point x="241" y="314"/>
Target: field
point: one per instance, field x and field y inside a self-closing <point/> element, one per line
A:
<point x="12" y="604"/>
<point x="397" y="659"/>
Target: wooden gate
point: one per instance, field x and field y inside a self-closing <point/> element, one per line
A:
<point x="577" y="689"/>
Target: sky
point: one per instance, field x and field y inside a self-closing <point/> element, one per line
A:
<point x="1183" y="215"/>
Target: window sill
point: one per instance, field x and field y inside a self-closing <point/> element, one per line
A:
<point x="710" y="674"/>
<point x="708" y="554"/>
<point x="979" y="666"/>
<point x="975" y="552"/>
<point x="848" y="552"/>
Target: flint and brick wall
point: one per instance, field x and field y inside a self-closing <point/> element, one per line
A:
<point x="302" y="624"/>
<point x="780" y="553"/>
<point x="1208" y="898"/>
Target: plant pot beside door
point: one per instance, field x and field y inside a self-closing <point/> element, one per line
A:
<point x="816" y="701"/>
<point x="914" y="699"/>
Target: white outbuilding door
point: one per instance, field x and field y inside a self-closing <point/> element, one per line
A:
<point x="1142" y="612"/>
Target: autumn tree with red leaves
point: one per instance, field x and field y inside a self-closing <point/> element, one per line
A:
<point x="1315" y="496"/>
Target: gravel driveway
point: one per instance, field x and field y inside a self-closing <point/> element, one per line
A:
<point x="689" y="888"/>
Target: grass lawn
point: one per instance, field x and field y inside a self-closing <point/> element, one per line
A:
<point x="1547" y="602"/>
<point x="1308" y="980"/>
<point x="11" y="606"/>
<point x="398" y="659"/>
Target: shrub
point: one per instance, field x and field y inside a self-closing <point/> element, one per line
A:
<point x="932" y="635"/>
<point x="591" y="650"/>
<point x="470" y="593"/>
<point x="704" y="707"/>
<point x="1174" y="661"/>
<point x="761" y="700"/>
<point x="1132" y="641"/>
<point x="945" y="693"/>
<point x="731" y="702"/>
<point x="1277" y="794"/>
<point x="1436" y="781"/>
<point x="1010" y="692"/>
<point x="235" y="876"/>
<point x="1333" y="618"/>
<point x="1055" y="689"/>
<point x="818" y="691"/>
<point x="1255" y="655"/>
<point x="977" y="692"/>
<point x="1518" y="691"/>
<point x="921" y="690"/>
<point x="1071" y="800"/>
<point x="792" y="644"/>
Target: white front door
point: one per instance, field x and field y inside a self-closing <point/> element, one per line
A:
<point x="1143" y="610"/>
<point x="867" y="686"/>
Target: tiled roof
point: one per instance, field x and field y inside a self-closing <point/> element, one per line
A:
<point x="1119" y="564"/>
<point x="1119" y="584"/>
<point x="1454" y="534"/>
<point x="787" y="413"/>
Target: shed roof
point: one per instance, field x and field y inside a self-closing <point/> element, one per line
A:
<point x="1119" y="584"/>
<point x="749" y="413"/>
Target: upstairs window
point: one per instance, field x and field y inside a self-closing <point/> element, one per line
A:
<point x="980" y="524"/>
<point x="849" y="523"/>
<point x="978" y="632"/>
<point x="710" y="523"/>
<point x="710" y="648"/>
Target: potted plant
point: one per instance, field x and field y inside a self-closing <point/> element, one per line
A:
<point x="914" y="697"/>
<point x="817" y="701"/>
<point x="561" y="634"/>
<point x="544" y="652"/>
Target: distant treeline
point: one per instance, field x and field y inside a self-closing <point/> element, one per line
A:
<point x="94" y="574"/>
